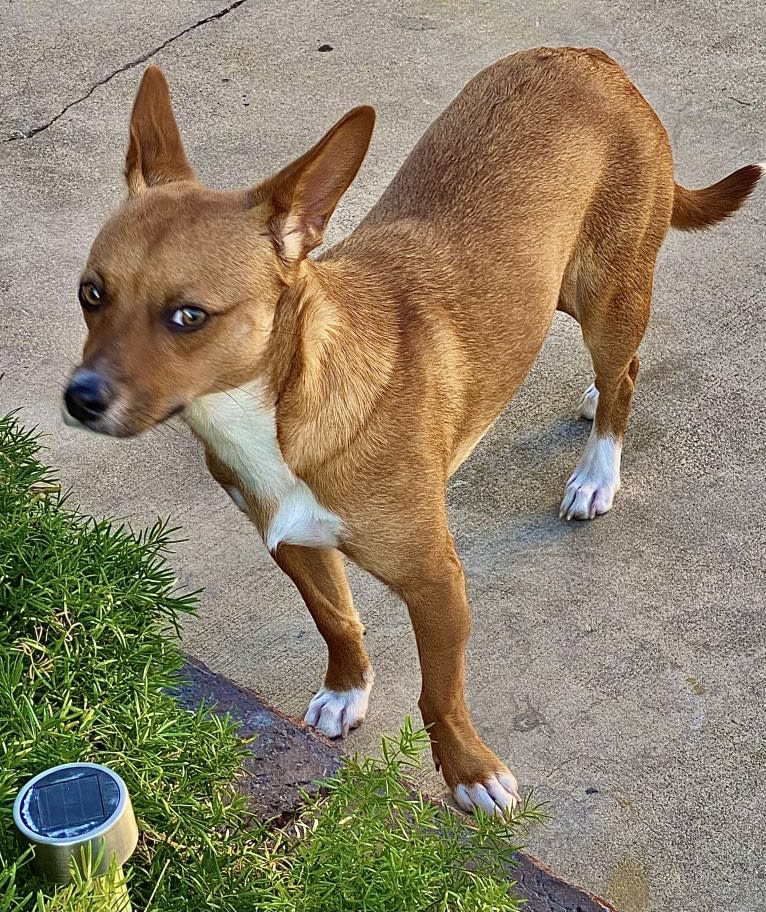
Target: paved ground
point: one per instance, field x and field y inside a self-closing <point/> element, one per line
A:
<point x="618" y="666"/>
<point x="287" y="758"/>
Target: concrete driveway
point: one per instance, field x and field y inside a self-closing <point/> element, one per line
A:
<point x="618" y="666"/>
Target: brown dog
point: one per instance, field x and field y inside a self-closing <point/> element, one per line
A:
<point x="335" y="396"/>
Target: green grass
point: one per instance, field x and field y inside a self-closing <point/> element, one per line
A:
<point x="86" y="663"/>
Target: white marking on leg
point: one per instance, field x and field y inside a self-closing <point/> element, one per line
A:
<point x="335" y="712"/>
<point x="588" y="402"/>
<point x="499" y="795"/>
<point x="591" y="489"/>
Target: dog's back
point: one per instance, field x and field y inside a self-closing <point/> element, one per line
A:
<point x="546" y="183"/>
<point x="543" y="157"/>
<point x="528" y="148"/>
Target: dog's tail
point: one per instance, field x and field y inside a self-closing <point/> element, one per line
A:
<point x="695" y="210"/>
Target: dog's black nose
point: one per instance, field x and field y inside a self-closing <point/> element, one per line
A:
<point x="88" y="395"/>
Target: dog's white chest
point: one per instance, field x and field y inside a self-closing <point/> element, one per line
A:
<point x="241" y="430"/>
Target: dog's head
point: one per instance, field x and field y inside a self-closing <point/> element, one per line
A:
<point x="182" y="284"/>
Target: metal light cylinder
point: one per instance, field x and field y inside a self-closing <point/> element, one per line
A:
<point x="75" y="812"/>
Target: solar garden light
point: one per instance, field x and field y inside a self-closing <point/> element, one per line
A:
<point x="81" y="813"/>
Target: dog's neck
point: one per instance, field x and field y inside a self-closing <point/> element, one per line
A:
<point x="328" y="362"/>
<point x="270" y="440"/>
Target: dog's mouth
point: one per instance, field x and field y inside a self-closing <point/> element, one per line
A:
<point x="70" y="420"/>
<point x="103" y="425"/>
<point x="116" y="421"/>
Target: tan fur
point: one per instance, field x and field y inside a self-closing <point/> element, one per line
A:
<point x="547" y="183"/>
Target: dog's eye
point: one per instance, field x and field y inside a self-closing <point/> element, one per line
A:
<point x="91" y="296"/>
<point x="187" y="318"/>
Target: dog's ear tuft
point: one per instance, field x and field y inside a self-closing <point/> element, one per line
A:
<point x="303" y="196"/>
<point x="155" y="152"/>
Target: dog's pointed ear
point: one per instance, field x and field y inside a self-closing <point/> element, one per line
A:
<point x="303" y="196"/>
<point x="155" y="151"/>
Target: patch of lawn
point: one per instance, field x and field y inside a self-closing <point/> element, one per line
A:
<point x="86" y="664"/>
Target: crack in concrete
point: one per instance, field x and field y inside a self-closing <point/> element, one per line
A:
<point x="33" y="131"/>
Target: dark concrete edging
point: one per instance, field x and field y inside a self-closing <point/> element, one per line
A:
<point x="288" y="757"/>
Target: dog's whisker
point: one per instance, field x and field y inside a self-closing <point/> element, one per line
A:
<point x="150" y="423"/>
<point x="228" y="390"/>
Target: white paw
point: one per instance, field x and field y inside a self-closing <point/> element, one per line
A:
<point x="498" y="795"/>
<point x="336" y="712"/>
<point x="587" y="405"/>
<point x="591" y="489"/>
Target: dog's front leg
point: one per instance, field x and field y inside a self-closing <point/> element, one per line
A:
<point x="434" y="589"/>
<point x="320" y="577"/>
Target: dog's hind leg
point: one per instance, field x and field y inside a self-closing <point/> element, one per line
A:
<point x="612" y="327"/>
<point x="586" y="408"/>
<point x="567" y="304"/>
